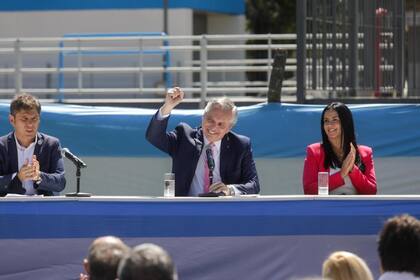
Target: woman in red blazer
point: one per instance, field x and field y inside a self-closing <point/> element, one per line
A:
<point x="351" y="170"/>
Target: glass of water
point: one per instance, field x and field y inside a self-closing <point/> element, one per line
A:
<point x="169" y="185"/>
<point x="323" y="183"/>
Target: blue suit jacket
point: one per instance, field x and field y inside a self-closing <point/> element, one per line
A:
<point x="184" y="145"/>
<point x="48" y="153"/>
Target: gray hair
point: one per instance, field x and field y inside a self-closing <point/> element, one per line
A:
<point x="147" y="262"/>
<point x="104" y="256"/>
<point x="225" y="104"/>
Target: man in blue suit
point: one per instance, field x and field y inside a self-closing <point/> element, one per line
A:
<point x="234" y="170"/>
<point x="30" y="162"/>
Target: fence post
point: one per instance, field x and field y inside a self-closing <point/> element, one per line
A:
<point x="353" y="43"/>
<point x="140" y="64"/>
<point x="277" y="76"/>
<point x="203" y="73"/>
<point x="18" y="67"/>
<point x="79" y="66"/>
<point x="301" y="50"/>
<point x="60" y="66"/>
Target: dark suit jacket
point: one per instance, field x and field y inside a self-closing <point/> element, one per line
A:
<point x="184" y="145"/>
<point x="48" y="153"/>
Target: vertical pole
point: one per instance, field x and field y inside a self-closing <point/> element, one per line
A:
<point x="18" y="67"/>
<point x="61" y="74"/>
<point x="165" y="16"/>
<point x="203" y="73"/>
<point x="166" y="80"/>
<point x="314" y="51"/>
<point x="334" y="45"/>
<point x="301" y="50"/>
<point x="414" y="83"/>
<point x="324" y="45"/>
<point x="354" y="32"/>
<point x="398" y="39"/>
<point x="79" y="67"/>
<point x="140" y="63"/>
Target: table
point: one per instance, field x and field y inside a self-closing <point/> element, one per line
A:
<point x="252" y="237"/>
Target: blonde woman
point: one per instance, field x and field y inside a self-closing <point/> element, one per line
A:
<point x="344" y="265"/>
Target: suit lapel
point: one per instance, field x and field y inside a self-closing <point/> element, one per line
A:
<point x="199" y="142"/>
<point x="38" y="145"/>
<point x="12" y="150"/>
<point x="224" y="156"/>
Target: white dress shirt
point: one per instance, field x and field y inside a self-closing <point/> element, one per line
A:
<point x="23" y="155"/>
<point x="197" y="184"/>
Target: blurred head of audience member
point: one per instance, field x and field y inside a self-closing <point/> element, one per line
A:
<point x="344" y="265"/>
<point x="399" y="248"/>
<point x="104" y="256"/>
<point x="147" y="262"/>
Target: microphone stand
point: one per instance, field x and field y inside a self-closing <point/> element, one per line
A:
<point x="78" y="193"/>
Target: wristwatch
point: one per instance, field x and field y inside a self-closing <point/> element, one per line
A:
<point x="39" y="180"/>
<point x="231" y="190"/>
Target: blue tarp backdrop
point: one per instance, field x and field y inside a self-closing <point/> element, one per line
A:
<point x="276" y="130"/>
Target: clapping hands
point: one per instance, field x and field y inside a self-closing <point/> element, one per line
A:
<point x="348" y="162"/>
<point x="29" y="171"/>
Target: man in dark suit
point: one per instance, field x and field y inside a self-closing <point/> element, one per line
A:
<point x="234" y="170"/>
<point x="30" y="162"/>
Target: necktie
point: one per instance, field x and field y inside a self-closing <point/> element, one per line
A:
<point x="207" y="174"/>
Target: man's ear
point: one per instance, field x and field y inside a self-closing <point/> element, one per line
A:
<point x="12" y="120"/>
<point x="86" y="266"/>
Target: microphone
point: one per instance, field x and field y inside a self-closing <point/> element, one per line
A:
<point x="77" y="161"/>
<point x="79" y="164"/>
<point x="210" y="163"/>
<point x="210" y="159"/>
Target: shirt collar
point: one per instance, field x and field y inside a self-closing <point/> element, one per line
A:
<point x="216" y="144"/>
<point x="20" y="147"/>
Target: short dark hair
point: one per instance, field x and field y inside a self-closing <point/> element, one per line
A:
<point x="24" y="102"/>
<point x="399" y="245"/>
<point x="104" y="256"/>
<point x="147" y="262"/>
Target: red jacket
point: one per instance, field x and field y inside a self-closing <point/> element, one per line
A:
<point x="364" y="183"/>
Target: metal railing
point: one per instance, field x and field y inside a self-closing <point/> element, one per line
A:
<point x="354" y="49"/>
<point x="140" y="66"/>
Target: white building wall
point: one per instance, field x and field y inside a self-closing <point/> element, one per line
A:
<point x="57" y="23"/>
<point x="226" y="24"/>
